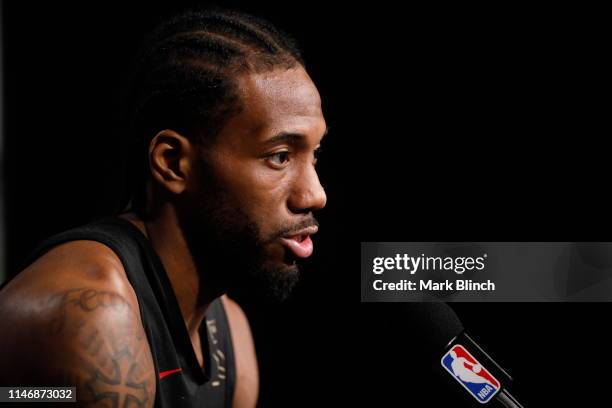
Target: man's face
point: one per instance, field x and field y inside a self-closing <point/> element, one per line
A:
<point x="258" y="186"/>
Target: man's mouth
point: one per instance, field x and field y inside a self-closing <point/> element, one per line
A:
<point x="299" y="242"/>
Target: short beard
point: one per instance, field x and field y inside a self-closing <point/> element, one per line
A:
<point x="228" y="250"/>
<point x="278" y="283"/>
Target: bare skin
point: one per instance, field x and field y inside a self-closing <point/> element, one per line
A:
<point x="83" y="331"/>
<point x="72" y="315"/>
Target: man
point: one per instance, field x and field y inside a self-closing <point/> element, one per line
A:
<point x="132" y="309"/>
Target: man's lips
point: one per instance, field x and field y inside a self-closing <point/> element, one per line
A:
<point x="299" y="242"/>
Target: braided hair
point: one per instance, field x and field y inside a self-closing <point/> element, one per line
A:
<point x="185" y="80"/>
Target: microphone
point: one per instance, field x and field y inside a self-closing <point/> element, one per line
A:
<point x="459" y="358"/>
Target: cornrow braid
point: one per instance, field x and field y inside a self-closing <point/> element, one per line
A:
<point x="185" y="75"/>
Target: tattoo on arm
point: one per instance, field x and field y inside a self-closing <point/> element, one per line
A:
<point x="114" y="367"/>
<point x="87" y="300"/>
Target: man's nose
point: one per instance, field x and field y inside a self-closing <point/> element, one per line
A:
<point x="308" y="193"/>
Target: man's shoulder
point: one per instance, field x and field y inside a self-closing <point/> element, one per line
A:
<point x="80" y="263"/>
<point x="66" y="270"/>
<point x="74" y="320"/>
<point x="79" y="273"/>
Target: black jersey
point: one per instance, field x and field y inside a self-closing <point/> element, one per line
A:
<point x="181" y="382"/>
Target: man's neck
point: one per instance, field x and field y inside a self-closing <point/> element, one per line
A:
<point x="168" y="241"/>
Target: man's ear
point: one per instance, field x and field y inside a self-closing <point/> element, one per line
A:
<point x="171" y="160"/>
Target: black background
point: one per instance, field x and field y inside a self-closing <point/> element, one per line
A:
<point x="476" y="124"/>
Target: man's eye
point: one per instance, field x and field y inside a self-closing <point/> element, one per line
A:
<point x="279" y="159"/>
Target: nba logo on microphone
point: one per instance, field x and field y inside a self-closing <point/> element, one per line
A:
<point x="470" y="374"/>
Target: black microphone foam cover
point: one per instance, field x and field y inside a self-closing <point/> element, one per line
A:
<point x="429" y="325"/>
<point x="435" y="322"/>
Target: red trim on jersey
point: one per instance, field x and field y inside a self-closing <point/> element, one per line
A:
<point x="168" y="372"/>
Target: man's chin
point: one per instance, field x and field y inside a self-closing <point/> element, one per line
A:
<point x="288" y="267"/>
<point x="277" y="281"/>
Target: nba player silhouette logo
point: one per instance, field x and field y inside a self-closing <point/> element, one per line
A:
<point x="470" y="374"/>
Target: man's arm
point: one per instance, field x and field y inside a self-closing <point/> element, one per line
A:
<point x="247" y="373"/>
<point x="84" y="333"/>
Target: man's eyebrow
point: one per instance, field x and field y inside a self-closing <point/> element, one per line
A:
<point x="288" y="137"/>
